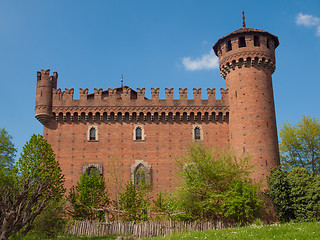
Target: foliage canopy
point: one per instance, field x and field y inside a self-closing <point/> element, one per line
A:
<point x="216" y="184"/>
<point x="300" y="145"/>
<point x="29" y="187"/>
<point x="295" y="194"/>
<point x="134" y="202"/>
<point x="7" y="150"/>
<point x="89" y="194"/>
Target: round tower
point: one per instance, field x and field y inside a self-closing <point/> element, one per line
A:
<point x="247" y="62"/>
<point x="45" y="84"/>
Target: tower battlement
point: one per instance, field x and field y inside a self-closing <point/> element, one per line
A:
<point x="45" y="85"/>
<point x="126" y="96"/>
<point x="126" y="104"/>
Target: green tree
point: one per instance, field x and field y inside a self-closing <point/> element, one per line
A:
<point x="51" y="223"/>
<point x="217" y="185"/>
<point x="134" y="202"/>
<point x="300" y="145"/>
<point x="167" y="207"/>
<point x="29" y="187"/>
<point x="87" y="196"/>
<point x="295" y="194"/>
<point x="7" y="150"/>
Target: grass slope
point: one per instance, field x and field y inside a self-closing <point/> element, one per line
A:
<point x="275" y="231"/>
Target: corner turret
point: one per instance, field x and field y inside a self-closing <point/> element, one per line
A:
<point x="247" y="62"/>
<point x="45" y="84"/>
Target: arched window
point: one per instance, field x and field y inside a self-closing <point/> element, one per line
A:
<point x="197" y="133"/>
<point x="138" y="133"/>
<point x="140" y="175"/>
<point x="91" y="170"/>
<point x="92" y="133"/>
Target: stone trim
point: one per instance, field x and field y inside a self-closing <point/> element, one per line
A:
<point x="98" y="166"/>
<point x="194" y="126"/>
<point x="146" y="165"/>
<point x="143" y="135"/>
<point x="88" y="133"/>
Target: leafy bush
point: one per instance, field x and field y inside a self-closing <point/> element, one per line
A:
<point x="216" y="184"/>
<point x="134" y="202"/>
<point x="89" y="195"/>
<point x="295" y="194"/>
<point x="51" y="223"/>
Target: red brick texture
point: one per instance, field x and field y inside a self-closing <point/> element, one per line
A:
<point x="244" y="118"/>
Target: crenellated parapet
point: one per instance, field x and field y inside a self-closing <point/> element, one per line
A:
<point x="45" y="85"/>
<point x="126" y="104"/>
<point x="246" y="48"/>
<point x="128" y="97"/>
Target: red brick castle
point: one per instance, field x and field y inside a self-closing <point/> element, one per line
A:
<point x="146" y="135"/>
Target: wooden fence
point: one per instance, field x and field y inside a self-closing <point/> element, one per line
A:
<point x="141" y="230"/>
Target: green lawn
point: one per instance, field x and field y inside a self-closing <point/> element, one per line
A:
<point x="254" y="232"/>
<point x="67" y="238"/>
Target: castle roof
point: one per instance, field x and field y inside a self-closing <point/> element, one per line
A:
<point x="246" y="30"/>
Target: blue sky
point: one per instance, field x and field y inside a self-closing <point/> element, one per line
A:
<point x="165" y="43"/>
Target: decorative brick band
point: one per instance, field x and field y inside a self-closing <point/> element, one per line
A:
<point x="221" y="114"/>
<point x="256" y="62"/>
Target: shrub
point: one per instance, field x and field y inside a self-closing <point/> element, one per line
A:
<point x="295" y="194"/>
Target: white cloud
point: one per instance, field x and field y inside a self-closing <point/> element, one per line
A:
<point x="206" y="62"/>
<point x="307" y="20"/>
<point x="318" y="31"/>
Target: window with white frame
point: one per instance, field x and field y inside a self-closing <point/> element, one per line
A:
<point x="92" y="133"/>
<point x="197" y="133"/>
<point x="138" y="133"/>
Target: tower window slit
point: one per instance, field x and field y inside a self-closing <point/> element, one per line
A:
<point x="92" y="134"/>
<point x="197" y="134"/>
<point x="256" y="41"/>
<point x="229" y="46"/>
<point x="242" y="42"/>
<point x="138" y="133"/>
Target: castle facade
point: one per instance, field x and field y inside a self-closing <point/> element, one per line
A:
<point x="121" y="127"/>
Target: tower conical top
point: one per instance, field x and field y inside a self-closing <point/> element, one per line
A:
<point x="243" y="20"/>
